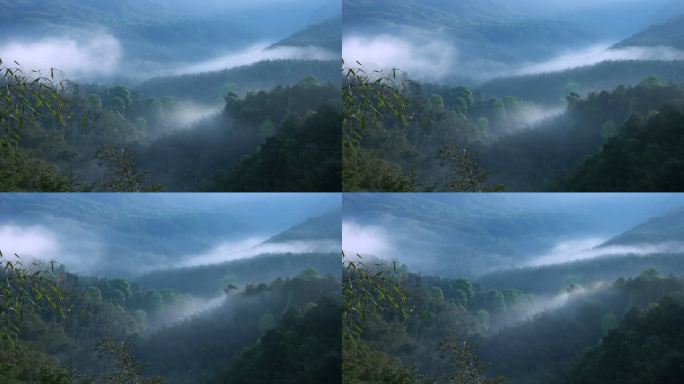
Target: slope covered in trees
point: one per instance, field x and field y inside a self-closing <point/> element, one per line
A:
<point x="668" y="34"/>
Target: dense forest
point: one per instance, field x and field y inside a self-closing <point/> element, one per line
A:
<point x="294" y="127"/>
<point x="626" y="139"/>
<point x="50" y="348"/>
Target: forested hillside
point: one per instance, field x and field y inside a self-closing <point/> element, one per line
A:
<point x="170" y="288"/>
<point x="494" y="95"/>
<point x="579" y="317"/>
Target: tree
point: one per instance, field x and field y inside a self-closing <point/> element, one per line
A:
<point x="366" y="294"/>
<point x="467" y="367"/>
<point x="25" y="292"/>
<point x="24" y="98"/>
<point x="122" y="173"/>
<point x="465" y="174"/>
<point x="122" y="367"/>
<point x="369" y="99"/>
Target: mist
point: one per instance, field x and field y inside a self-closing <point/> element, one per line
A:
<point x="256" y="53"/>
<point x="186" y="310"/>
<point x="422" y="58"/>
<point x="28" y="241"/>
<point x="365" y="240"/>
<point x="97" y="55"/>
<point x="591" y="248"/>
<point x="186" y="113"/>
<point x="598" y="53"/>
<point x="537" y="305"/>
<point x="255" y="246"/>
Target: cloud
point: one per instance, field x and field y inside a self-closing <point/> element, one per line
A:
<point x="529" y="310"/>
<point x="590" y="248"/>
<point x="599" y="53"/>
<point x="254" y="246"/>
<point x="364" y="240"/>
<point x="256" y="53"/>
<point x="34" y="241"/>
<point x="98" y="55"/>
<point x="186" y="113"/>
<point x="423" y="58"/>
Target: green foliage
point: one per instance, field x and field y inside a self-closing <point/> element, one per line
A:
<point x="646" y="155"/>
<point x="25" y="292"/>
<point x="304" y="347"/>
<point x="24" y="99"/>
<point x="464" y="173"/>
<point x="123" y="174"/>
<point x="646" y="347"/>
<point x="560" y="153"/>
<point x="467" y="367"/>
<point x="122" y="368"/>
<point x="367" y="294"/>
<point x="303" y="156"/>
<point x="368" y="99"/>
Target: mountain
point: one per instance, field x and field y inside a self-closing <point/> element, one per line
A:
<point x="143" y="38"/>
<point x="324" y="227"/>
<point x="210" y="280"/>
<point x="455" y="235"/>
<point x="147" y="29"/>
<point x="666" y="228"/>
<point x="552" y="88"/>
<point x="619" y="260"/>
<point x="485" y="30"/>
<point x="668" y="34"/>
<point x="127" y="234"/>
<point x="326" y="34"/>
<point x="319" y="236"/>
<point x="212" y="87"/>
<point x="471" y="235"/>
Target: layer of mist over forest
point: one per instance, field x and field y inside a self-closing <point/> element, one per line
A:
<point x="187" y="283"/>
<point x="540" y="95"/>
<point x="208" y="96"/>
<point x="535" y="288"/>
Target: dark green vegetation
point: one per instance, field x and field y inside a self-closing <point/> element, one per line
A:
<point x="606" y="319"/>
<point x="627" y="139"/>
<point x="281" y="126"/>
<point x="51" y="349"/>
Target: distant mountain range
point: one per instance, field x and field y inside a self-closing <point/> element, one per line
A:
<point x="156" y="34"/>
<point x="669" y="34"/>
<point x="656" y="243"/>
<point x="469" y="235"/>
<point x="326" y="34"/>
<point x="125" y="235"/>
